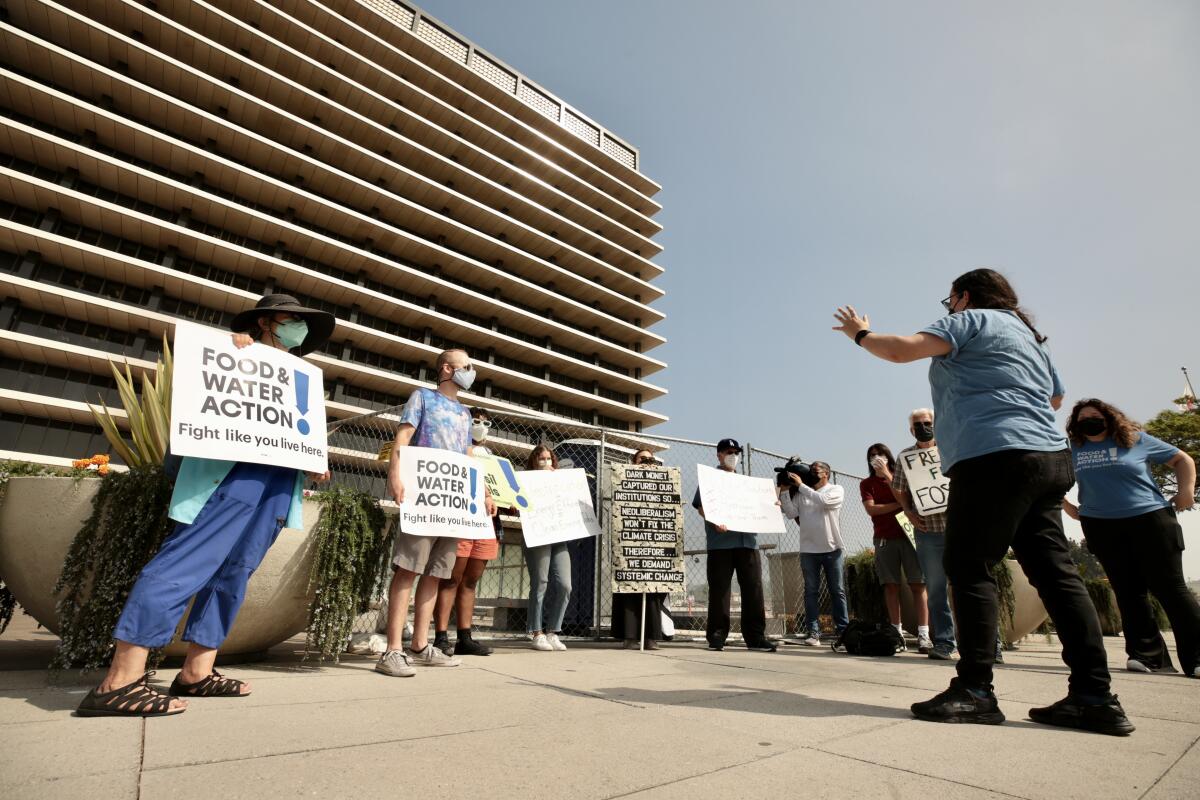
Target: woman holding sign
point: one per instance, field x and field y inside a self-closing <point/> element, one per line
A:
<point x="1133" y="529"/>
<point x="549" y="575"/>
<point x="228" y="515"/>
<point x="995" y="390"/>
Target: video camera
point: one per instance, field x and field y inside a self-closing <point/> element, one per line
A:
<point x="798" y="467"/>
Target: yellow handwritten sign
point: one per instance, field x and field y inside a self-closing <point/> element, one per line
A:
<point x="385" y="452"/>
<point x="501" y="481"/>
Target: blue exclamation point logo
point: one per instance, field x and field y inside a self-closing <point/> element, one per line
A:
<point x="507" y="469"/>
<point x="474" y="477"/>
<point x="301" y="384"/>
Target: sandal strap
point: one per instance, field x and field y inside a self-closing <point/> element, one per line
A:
<point x="133" y="698"/>
<point x="213" y="685"/>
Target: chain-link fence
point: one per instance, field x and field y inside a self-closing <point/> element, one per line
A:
<point x="502" y="595"/>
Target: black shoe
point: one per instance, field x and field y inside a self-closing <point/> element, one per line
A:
<point x="761" y="645"/>
<point x="467" y="646"/>
<point x="716" y="644"/>
<point x="957" y="704"/>
<point x="442" y="642"/>
<point x="1108" y="717"/>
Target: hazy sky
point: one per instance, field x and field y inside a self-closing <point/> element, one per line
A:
<point x="815" y="154"/>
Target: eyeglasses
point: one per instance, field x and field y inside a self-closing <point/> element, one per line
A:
<point x="653" y="462"/>
<point x="948" y="303"/>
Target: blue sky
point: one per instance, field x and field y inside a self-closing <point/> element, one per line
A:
<point x="815" y="154"/>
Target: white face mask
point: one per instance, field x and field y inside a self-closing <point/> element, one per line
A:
<point x="479" y="431"/>
<point x="463" y="378"/>
<point x="731" y="460"/>
<point x="545" y="463"/>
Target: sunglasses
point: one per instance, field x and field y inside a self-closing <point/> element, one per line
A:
<point x="654" y="462"/>
<point x="487" y="423"/>
<point x="948" y="303"/>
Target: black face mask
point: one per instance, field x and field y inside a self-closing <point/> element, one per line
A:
<point x="1092" y="426"/>
<point x="923" y="431"/>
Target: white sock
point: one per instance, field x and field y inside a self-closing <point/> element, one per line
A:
<point x="923" y="630"/>
<point x="900" y="628"/>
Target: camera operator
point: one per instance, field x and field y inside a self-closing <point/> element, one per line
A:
<point x="807" y="496"/>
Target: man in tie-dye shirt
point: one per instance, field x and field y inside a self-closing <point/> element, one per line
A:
<point x="430" y="419"/>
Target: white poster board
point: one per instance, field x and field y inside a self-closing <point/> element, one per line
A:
<point x="443" y="494"/>
<point x="739" y="502"/>
<point x="254" y="404"/>
<point x="560" y="507"/>
<point x="929" y="487"/>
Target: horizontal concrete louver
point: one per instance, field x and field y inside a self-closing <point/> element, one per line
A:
<point x="581" y="127"/>
<point x="440" y="40"/>
<point x="620" y="152"/>
<point x="540" y="102"/>
<point x="393" y="11"/>
<point x="493" y="72"/>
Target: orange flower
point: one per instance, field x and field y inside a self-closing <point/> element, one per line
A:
<point x="100" y="459"/>
<point x="104" y="468"/>
<point x="81" y="463"/>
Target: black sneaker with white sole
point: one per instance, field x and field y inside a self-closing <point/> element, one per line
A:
<point x="761" y="645"/>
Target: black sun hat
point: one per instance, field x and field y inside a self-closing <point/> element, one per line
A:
<point x="320" y="323"/>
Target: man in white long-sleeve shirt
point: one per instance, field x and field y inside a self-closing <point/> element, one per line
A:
<point x="816" y="505"/>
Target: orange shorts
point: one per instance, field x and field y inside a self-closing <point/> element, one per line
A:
<point x="483" y="549"/>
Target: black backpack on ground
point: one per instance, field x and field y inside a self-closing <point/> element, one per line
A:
<point x="869" y="639"/>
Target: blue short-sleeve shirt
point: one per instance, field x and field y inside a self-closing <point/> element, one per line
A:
<point x="1115" y="482"/>
<point x="992" y="391"/>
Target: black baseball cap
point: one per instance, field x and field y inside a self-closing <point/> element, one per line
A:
<point x="728" y="444"/>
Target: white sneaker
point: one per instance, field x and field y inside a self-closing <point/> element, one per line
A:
<point x="555" y="642"/>
<point x="396" y="664"/>
<point x="813" y="640"/>
<point x="433" y="657"/>
<point x="1133" y="665"/>
<point x="924" y="644"/>
<point x="540" y="642"/>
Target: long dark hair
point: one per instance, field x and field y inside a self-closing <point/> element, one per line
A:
<point x="532" y="461"/>
<point x="990" y="289"/>
<point x="1121" y="428"/>
<point x="883" y="450"/>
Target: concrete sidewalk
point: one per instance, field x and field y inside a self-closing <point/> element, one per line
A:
<point x="595" y="722"/>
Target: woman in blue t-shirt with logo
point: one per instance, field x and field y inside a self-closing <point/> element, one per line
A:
<point x="1131" y="527"/>
<point x="995" y="391"/>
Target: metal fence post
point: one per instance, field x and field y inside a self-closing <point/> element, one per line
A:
<point x="749" y="455"/>
<point x="597" y="589"/>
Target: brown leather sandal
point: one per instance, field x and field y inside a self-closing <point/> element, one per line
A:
<point x="215" y="685"/>
<point x="137" y="699"/>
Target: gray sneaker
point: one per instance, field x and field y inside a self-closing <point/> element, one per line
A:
<point x="943" y="653"/>
<point x="432" y="657"/>
<point x="396" y="664"/>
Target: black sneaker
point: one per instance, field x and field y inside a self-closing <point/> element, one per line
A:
<point x="1107" y="717"/>
<point x="467" y="646"/>
<point x="442" y="642"/>
<point x="716" y="644"/>
<point x="761" y="645"/>
<point x="958" y="704"/>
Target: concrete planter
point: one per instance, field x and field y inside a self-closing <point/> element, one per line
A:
<point x="39" y="518"/>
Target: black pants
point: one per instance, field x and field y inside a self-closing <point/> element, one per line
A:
<point x="627" y="616"/>
<point x="1014" y="498"/>
<point x="722" y="564"/>
<point x="1143" y="555"/>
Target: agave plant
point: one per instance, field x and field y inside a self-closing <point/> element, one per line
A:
<point x="149" y="416"/>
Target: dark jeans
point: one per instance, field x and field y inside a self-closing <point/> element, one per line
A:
<point x="1014" y="498"/>
<point x="722" y="564"/>
<point x="1143" y="555"/>
<point x="831" y="563"/>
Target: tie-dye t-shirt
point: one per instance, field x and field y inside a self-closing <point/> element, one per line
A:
<point x="439" y="421"/>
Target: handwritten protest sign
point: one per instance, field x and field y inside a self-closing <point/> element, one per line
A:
<point x="739" y="502"/>
<point x="443" y="494"/>
<point x="501" y="481"/>
<point x="254" y="404"/>
<point x="647" y="529"/>
<point x="560" y="507"/>
<point x="930" y="488"/>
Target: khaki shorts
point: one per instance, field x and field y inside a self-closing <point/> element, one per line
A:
<point x="424" y="555"/>
<point x="893" y="554"/>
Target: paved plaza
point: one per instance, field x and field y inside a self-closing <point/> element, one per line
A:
<point x="594" y="722"/>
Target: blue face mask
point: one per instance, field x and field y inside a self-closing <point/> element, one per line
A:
<point x="291" y="333"/>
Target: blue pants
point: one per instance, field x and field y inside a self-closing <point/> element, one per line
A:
<point x="549" y="586"/>
<point x="212" y="558"/>
<point x="931" y="547"/>
<point x="831" y="563"/>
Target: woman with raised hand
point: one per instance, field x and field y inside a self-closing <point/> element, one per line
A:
<point x="995" y="391"/>
<point x="1132" y="528"/>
